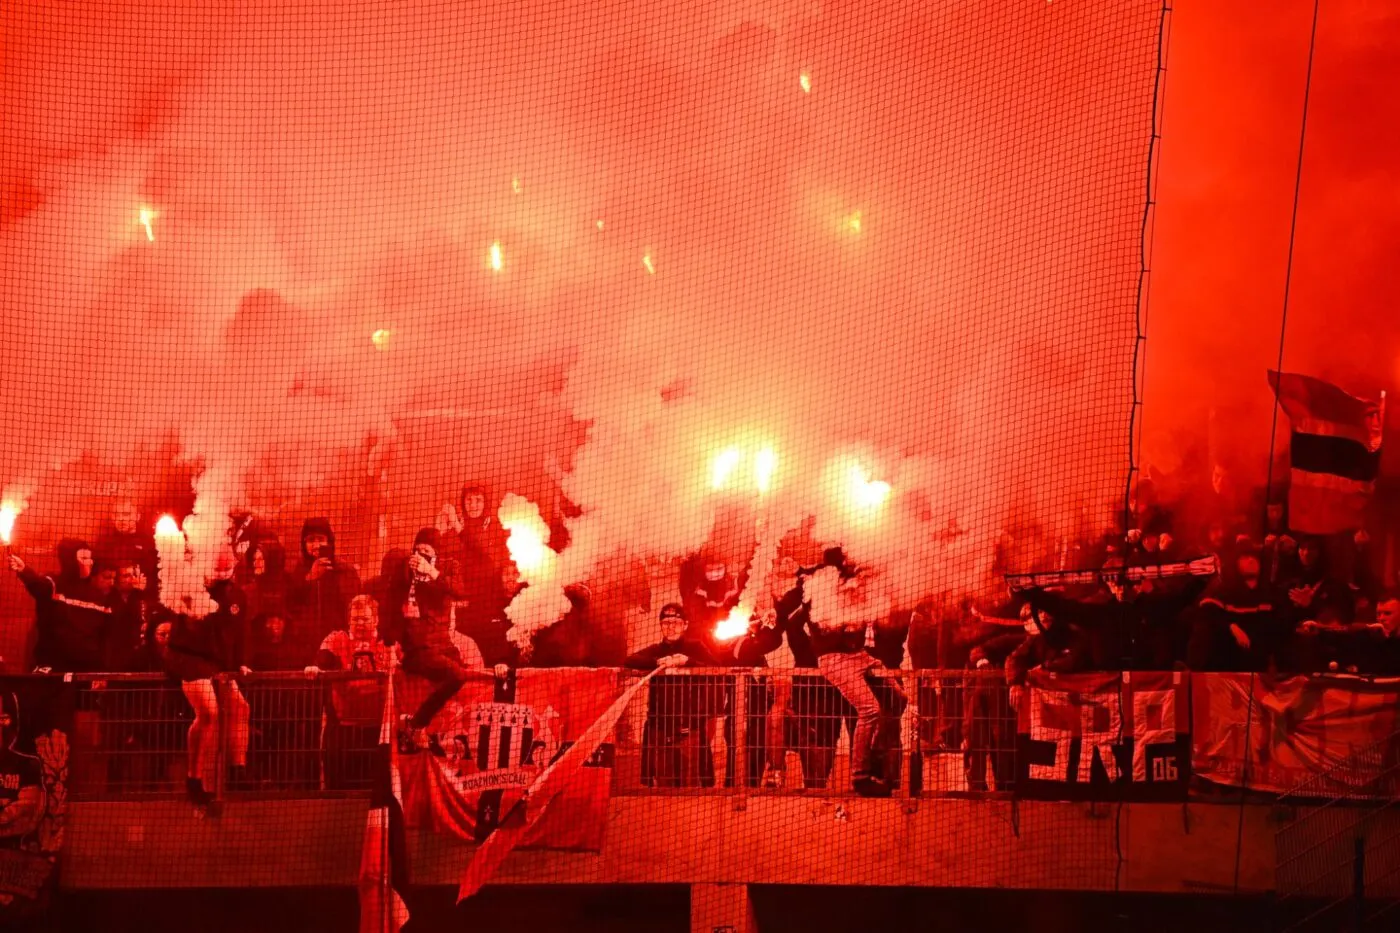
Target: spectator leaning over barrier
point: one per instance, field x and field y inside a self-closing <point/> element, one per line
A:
<point x="199" y="650"/>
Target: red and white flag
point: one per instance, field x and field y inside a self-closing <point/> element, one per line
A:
<point x="383" y="865"/>
<point x="1335" y="453"/>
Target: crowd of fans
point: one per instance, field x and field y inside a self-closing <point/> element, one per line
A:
<point x="1282" y="602"/>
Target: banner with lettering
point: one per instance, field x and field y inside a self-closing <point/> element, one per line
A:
<point x="490" y="743"/>
<point x="36" y="721"/>
<point x="1103" y="737"/>
<point x="1320" y="735"/>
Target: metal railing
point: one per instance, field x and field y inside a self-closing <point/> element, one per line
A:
<point x="725" y="731"/>
<point x="690" y="731"/>
<point x="1338" y="850"/>
<point x="305" y="734"/>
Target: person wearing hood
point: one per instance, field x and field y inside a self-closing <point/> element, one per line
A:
<point x="71" y="610"/>
<point x="124" y="541"/>
<point x="133" y="612"/>
<point x="489" y="577"/>
<point x="200" y="649"/>
<point x="321" y="587"/>
<point x="418" y="605"/>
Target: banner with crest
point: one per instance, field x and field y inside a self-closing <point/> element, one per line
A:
<point x="36" y="721"/>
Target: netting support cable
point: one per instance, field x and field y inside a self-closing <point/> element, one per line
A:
<point x="1288" y="266"/>
<point x="1139" y="360"/>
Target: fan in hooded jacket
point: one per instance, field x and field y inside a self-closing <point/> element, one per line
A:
<point x="322" y="585"/>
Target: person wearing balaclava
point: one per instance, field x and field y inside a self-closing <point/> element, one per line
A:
<point x="21" y="779"/>
<point x="418" y="607"/>
<point x="71" y="614"/>
<point x="322" y="585"/>
<point x="200" y="649"/>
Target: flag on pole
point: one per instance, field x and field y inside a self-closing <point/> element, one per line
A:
<point x="1335" y="453"/>
<point x="516" y="825"/>
<point x="383" y="860"/>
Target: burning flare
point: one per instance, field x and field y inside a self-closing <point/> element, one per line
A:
<point x="722" y="466"/>
<point x="736" y="624"/>
<point x="805" y="79"/>
<point x="167" y="527"/>
<point x="764" y="466"/>
<point x="864" y="493"/>
<point x="8" y="513"/>
<point x="145" y="217"/>
<point x="496" y="261"/>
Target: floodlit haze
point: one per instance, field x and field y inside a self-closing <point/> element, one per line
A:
<point x="350" y="255"/>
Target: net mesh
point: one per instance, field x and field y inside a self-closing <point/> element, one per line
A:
<point x="668" y="287"/>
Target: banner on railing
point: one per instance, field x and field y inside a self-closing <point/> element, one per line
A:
<point x="492" y="741"/>
<point x="1274" y="735"/>
<point x="1103" y="737"/>
<point x="36" y="721"/>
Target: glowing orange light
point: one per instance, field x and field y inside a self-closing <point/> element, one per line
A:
<point x="528" y="534"/>
<point x="496" y="261"/>
<point x="380" y="338"/>
<point x="723" y="465"/>
<point x="8" y="513"/>
<point x="167" y="527"/>
<point x="806" y="81"/>
<point x="600" y="225"/>
<point x="515" y="184"/>
<point x="764" y="466"/>
<point x="863" y="492"/>
<point x="646" y="262"/>
<point x="852" y="222"/>
<point x="736" y="624"/>
<point x="146" y="216"/>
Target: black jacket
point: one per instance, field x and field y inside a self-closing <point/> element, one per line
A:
<point x="322" y="605"/>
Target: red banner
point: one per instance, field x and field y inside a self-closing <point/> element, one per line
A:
<point x="491" y="742"/>
<point x="1103" y="737"/>
<point x="1274" y="735"/>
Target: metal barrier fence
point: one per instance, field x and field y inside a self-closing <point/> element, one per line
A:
<point x="722" y="731"/>
<point x="305" y="734"/>
<point x="690" y="731"/>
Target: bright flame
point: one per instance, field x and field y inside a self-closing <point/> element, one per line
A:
<point x="723" y="465"/>
<point x="146" y="216"/>
<point x="764" y="466"/>
<point x="167" y="526"/>
<point x="496" y="262"/>
<point x="646" y="261"/>
<point x="806" y="81"/>
<point x="600" y="225"/>
<point x="8" y="513"/>
<point x="515" y="184"/>
<point x="528" y="534"/>
<point x="864" y="493"/>
<point x="736" y="624"/>
<point x="852" y="222"/>
<point x="380" y="338"/>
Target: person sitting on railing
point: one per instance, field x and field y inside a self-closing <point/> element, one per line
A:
<point x="71" y="614"/>
<point x="352" y="728"/>
<point x="673" y="739"/>
<point x="420" y="599"/>
<point x="199" y="650"/>
<point x="842" y="611"/>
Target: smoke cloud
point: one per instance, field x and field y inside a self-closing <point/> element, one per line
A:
<point x="349" y="257"/>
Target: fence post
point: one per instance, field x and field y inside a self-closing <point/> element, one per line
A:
<point x="909" y="726"/>
<point x="741" y="740"/>
<point x="1358" y="884"/>
<point x="220" y="778"/>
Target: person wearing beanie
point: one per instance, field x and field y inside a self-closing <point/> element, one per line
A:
<point x="673" y="738"/>
<point x="418" y="610"/>
<point x="322" y="585"/>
